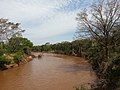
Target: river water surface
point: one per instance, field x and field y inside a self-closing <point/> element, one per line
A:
<point x="51" y="72"/>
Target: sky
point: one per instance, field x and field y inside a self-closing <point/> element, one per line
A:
<point x="44" y="20"/>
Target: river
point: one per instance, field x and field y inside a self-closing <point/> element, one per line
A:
<point x="51" y="72"/>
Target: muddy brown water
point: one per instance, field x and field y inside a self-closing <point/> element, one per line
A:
<point x="51" y="72"/>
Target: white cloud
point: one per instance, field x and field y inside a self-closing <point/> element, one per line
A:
<point x="21" y="10"/>
<point x="40" y="18"/>
<point x="60" y="23"/>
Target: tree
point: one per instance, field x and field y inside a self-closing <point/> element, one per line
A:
<point x="19" y="44"/>
<point x="9" y="29"/>
<point x="100" y="23"/>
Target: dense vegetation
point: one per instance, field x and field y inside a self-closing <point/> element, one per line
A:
<point x="76" y="48"/>
<point x="13" y="47"/>
<point x="102" y="25"/>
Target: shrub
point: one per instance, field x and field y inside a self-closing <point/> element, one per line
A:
<point x="1" y="53"/>
<point x="3" y="61"/>
<point x="17" y="57"/>
<point x="113" y="72"/>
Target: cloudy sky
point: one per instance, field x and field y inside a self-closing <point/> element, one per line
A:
<point x="44" y="20"/>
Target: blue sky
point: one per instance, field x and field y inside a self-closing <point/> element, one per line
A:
<point x="44" y="20"/>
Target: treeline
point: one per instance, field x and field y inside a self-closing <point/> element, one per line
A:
<point x="13" y="47"/>
<point x="76" y="48"/>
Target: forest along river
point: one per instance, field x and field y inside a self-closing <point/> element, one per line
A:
<point x="51" y="72"/>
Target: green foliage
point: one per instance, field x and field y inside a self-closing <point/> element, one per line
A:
<point x="15" y="45"/>
<point x="3" y="61"/>
<point x="63" y="48"/>
<point x="18" y="44"/>
<point x="46" y="47"/>
<point x="95" y="55"/>
<point x="69" y="48"/>
<point x="1" y="53"/>
<point x="18" y="57"/>
<point x="113" y="72"/>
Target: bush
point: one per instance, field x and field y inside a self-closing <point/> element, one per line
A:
<point x="3" y="61"/>
<point x="1" y="53"/>
<point x="95" y="55"/>
<point x="17" y="57"/>
<point x="113" y="72"/>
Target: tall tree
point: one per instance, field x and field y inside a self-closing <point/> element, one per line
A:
<point x="9" y="29"/>
<point x="100" y="22"/>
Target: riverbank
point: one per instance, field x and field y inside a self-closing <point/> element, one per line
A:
<point x="25" y="59"/>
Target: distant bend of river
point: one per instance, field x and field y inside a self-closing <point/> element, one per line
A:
<point x="51" y="72"/>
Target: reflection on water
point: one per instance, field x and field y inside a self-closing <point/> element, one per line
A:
<point x="51" y="72"/>
<point x="74" y="68"/>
